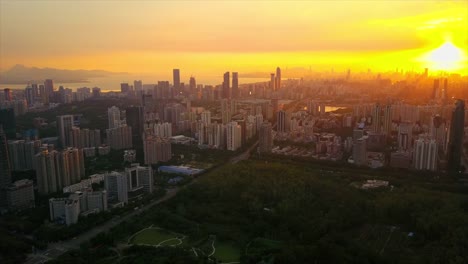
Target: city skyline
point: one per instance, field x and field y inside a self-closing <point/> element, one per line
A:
<point x="259" y="35"/>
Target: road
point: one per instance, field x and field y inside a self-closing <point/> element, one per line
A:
<point x="56" y="249"/>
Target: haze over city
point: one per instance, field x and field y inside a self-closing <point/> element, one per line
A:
<point x="232" y="132"/>
<point x="205" y="38"/>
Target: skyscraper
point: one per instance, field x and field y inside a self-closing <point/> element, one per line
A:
<point x="456" y="136"/>
<point x="64" y="124"/>
<point x="377" y="118"/>
<point x="193" y="85"/>
<point x="48" y="87"/>
<point x="48" y="172"/>
<point x="5" y="167"/>
<point x="425" y="154"/>
<point x="272" y="82"/>
<point x="124" y="88"/>
<point x="233" y="136"/>
<point x="265" y="137"/>
<point x="116" y="186"/>
<point x="278" y="78"/>
<point x="176" y="78"/>
<point x="282" y="121"/>
<point x="137" y="85"/>
<point x="156" y="149"/>
<point x="8" y="121"/>
<point x="226" y="88"/>
<point x="135" y="119"/>
<point x="235" y="85"/>
<point x="113" y="116"/>
<point x="7" y="94"/>
<point x="435" y="89"/>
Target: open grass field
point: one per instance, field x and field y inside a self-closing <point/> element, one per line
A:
<point x="155" y="236"/>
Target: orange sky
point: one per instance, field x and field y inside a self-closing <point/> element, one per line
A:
<point x="211" y="37"/>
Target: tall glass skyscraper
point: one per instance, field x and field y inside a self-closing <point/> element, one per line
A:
<point x="456" y="136"/>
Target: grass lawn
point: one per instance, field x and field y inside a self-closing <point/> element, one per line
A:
<point x="226" y="252"/>
<point x="154" y="236"/>
<point x="171" y="242"/>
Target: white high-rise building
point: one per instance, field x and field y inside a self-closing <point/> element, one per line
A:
<point x="163" y="130"/>
<point x="140" y="176"/>
<point x="116" y="186"/>
<point x="113" y="116"/>
<point x="233" y="136"/>
<point x="425" y="154"/>
<point x="206" y="117"/>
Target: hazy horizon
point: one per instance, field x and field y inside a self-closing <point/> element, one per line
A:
<point x="207" y="38"/>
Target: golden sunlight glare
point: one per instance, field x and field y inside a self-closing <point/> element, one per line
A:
<point x="445" y="57"/>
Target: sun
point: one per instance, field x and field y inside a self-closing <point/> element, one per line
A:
<point x="447" y="57"/>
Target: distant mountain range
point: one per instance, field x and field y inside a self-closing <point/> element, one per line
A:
<point x="20" y="74"/>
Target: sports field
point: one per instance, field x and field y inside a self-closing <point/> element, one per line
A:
<point x="156" y="237"/>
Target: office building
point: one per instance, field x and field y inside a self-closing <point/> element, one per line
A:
<point x="95" y="201"/>
<point x="48" y="87"/>
<point x="5" y="167"/>
<point x="235" y="85"/>
<point x="226" y="93"/>
<point x="377" y="118"/>
<point x="8" y="121"/>
<point x="176" y="78"/>
<point x="225" y="111"/>
<point x="272" y="82"/>
<point x="135" y="119"/>
<point x="456" y="136"/>
<point x="64" y="124"/>
<point x="278" y="78"/>
<point x="29" y="95"/>
<point x="7" y="94"/>
<point x="192" y="86"/>
<point x="124" y="88"/>
<point x="65" y="210"/>
<point x="233" y="136"/>
<point x="265" y="138"/>
<point x="138" y="86"/>
<point x="425" y="154"/>
<point x="20" y="195"/>
<point x="283" y="121"/>
<point x="115" y="184"/>
<point x="140" y="176"/>
<point x="156" y="149"/>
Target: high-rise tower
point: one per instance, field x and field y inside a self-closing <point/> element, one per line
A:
<point x="235" y="85"/>
<point x="5" y="169"/>
<point x="226" y="88"/>
<point x="456" y="136"/>
<point x="278" y="78"/>
<point x="176" y="78"/>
